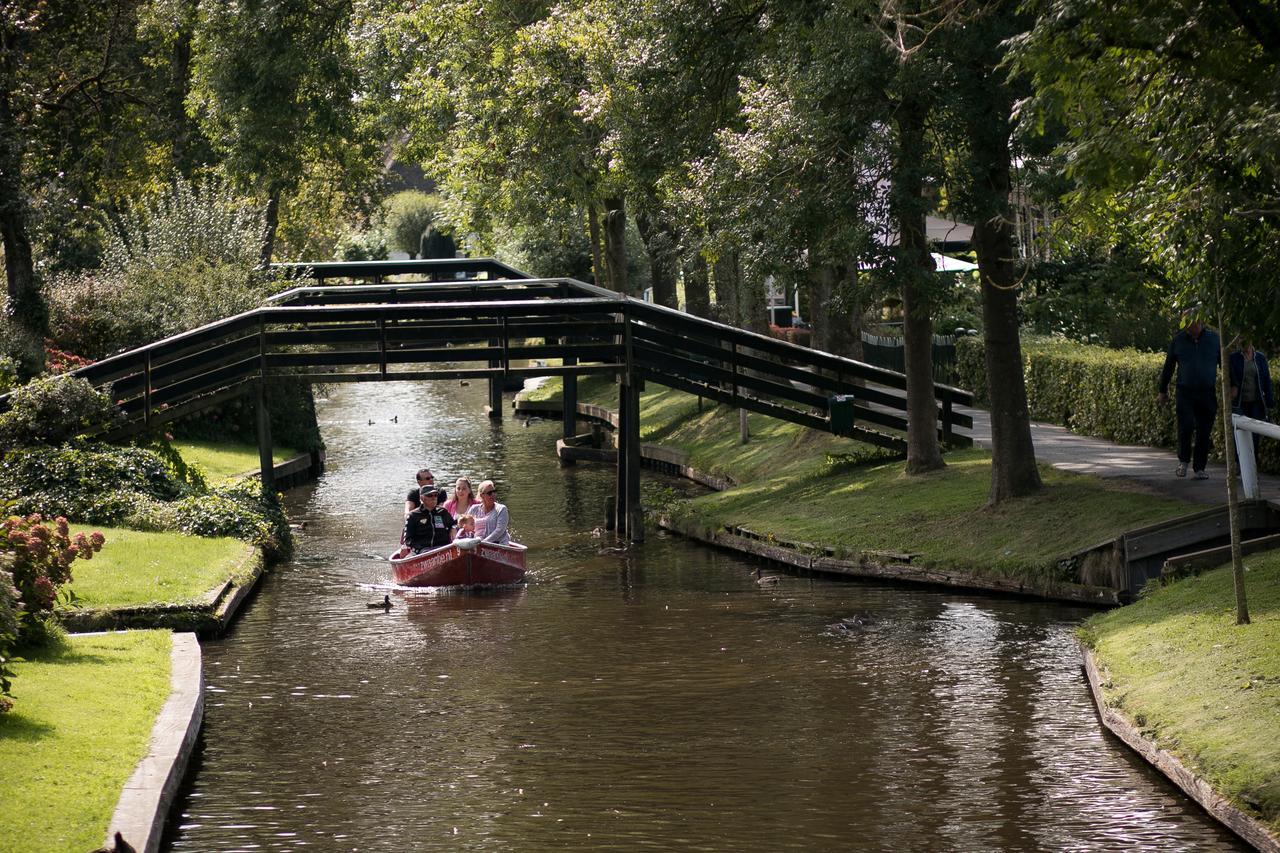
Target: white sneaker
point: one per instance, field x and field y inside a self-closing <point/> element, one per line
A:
<point x="1181" y="470"/>
<point x="1202" y="475"/>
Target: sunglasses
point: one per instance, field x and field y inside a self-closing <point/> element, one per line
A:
<point x="487" y="492"/>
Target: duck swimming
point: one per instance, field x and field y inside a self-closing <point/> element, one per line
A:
<point x="384" y="604"/>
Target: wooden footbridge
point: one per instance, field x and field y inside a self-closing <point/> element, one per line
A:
<point x="481" y="319"/>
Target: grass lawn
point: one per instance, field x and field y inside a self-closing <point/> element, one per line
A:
<point x="221" y="461"/>
<point x="81" y="722"/>
<point x="136" y="568"/>
<point x="800" y="484"/>
<point x="1206" y="689"/>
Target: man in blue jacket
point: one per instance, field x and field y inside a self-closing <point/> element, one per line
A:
<point x="1196" y="352"/>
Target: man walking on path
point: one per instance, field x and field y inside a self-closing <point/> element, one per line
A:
<point x="1196" y="352"/>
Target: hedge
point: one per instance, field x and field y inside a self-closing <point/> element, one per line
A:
<point x="1094" y="391"/>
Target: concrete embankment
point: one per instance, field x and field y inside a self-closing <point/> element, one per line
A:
<point x="1196" y="787"/>
<point x="144" y="804"/>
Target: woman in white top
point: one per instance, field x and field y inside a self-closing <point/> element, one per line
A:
<point x="463" y="498"/>
<point x="491" y="517"/>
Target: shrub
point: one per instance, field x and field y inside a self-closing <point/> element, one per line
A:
<point x="98" y="484"/>
<point x="21" y="353"/>
<point x="8" y="374"/>
<point x="54" y="410"/>
<point x="10" y="612"/>
<point x="41" y="558"/>
<point x="240" y="510"/>
<point x="189" y="257"/>
<point x="408" y="216"/>
<point x="362" y="246"/>
<point x="1094" y="391"/>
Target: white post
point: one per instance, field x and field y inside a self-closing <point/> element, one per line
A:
<point x="1244" y="430"/>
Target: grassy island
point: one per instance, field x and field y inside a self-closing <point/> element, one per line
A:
<point x="63" y="767"/>
<point x="1176" y="664"/>
<point x="802" y="485"/>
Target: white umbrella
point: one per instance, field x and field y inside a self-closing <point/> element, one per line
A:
<point x="942" y="263"/>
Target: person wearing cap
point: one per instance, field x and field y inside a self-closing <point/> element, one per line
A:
<point x="1196" y="352"/>
<point x="491" y="517"/>
<point x="430" y="525"/>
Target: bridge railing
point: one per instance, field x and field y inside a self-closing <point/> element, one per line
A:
<point x="489" y="328"/>
<point x="772" y="377"/>
<point x="375" y="271"/>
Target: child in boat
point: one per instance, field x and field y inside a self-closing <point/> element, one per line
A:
<point x="466" y="527"/>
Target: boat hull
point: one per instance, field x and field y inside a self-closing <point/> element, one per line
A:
<point x="450" y="565"/>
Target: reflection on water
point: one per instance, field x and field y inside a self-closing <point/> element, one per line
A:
<point x="655" y="696"/>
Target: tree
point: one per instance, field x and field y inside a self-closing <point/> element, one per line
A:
<point x="274" y="86"/>
<point x="67" y="73"/>
<point x="982" y="104"/>
<point x="1172" y="134"/>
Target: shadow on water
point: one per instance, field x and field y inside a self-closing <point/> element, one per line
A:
<point x="654" y="696"/>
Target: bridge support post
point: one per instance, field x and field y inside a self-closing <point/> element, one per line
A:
<point x="266" y="466"/>
<point x="629" y="514"/>
<point x="569" y="398"/>
<point x="494" y="408"/>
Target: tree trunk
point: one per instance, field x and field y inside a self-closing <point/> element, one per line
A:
<point x="593" y="234"/>
<point x="1013" y="455"/>
<point x="697" y="287"/>
<point x="615" y="244"/>
<point x="1014" y="472"/>
<point x="913" y="266"/>
<point x="179" y="86"/>
<point x="1233" y="490"/>
<point x="659" y="244"/>
<point x="25" y="306"/>
<point x="272" y="223"/>
<point x="830" y="316"/>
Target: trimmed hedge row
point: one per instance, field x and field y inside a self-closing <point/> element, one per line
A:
<point x="1094" y="391"/>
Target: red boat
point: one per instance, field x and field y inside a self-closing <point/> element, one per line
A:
<point x="463" y="562"/>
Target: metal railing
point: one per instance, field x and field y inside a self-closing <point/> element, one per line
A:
<point x="1245" y="429"/>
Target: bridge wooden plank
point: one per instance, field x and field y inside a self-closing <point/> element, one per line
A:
<point x="658" y="315"/>
<point x="451" y="374"/>
<point x="666" y="361"/>
<point x="714" y="392"/>
<point x="364" y="269"/>
<point x="189" y="365"/>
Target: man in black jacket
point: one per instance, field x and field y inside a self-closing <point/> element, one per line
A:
<point x="429" y="526"/>
<point x="1196" y="352"/>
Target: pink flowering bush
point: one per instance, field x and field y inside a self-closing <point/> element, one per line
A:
<point x="41" y="555"/>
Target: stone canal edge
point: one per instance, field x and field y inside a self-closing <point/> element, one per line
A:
<point x="144" y="804"/>
<point x="1196" y="787"/>
<point x="143" y="808"/>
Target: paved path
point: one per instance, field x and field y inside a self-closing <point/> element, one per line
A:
<point x="1147" y="466"/>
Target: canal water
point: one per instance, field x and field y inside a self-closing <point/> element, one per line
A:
<point x="656" y="697"/>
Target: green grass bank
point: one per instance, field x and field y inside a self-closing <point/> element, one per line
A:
<point x="1208" y="691"/>
<point x="138" y="569"/>
<point x="221" y="461"/>
<point x="63" y="769"/>
<point x="798" y="484"/>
